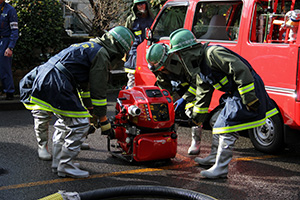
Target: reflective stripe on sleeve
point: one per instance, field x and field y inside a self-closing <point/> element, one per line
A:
<point x="85" y="94"/>
<point x="246" y="88"/>
<point x="99" y="102"/>
<point x="189" y="105"/>
<point x="192" y="90"/>
<point x="223" y="81"/>
<point x="200" y="110"/>
<point x="131" y="71"/>
<point x="217" y="86"/>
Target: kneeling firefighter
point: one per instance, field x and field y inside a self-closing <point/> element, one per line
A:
<point x="56" y="86"/>
<point x="246" y="103"/>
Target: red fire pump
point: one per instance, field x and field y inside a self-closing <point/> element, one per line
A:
<point x="144" y="125"/>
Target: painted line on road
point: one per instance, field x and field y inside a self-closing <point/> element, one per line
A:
<point x="254" y="158"/>
<point x="185" y="163"/>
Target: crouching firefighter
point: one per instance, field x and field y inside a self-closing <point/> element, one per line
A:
<point x="166" y="75"/>
<point x="56" y="86"/>
<point x="246" y="103"/>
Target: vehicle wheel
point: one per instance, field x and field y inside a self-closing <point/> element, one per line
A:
<point x="269" y="137"/>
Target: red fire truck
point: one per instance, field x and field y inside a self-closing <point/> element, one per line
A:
<point x="265" y="32"/>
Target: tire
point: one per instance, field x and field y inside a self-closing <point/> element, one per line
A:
<point x="269" y="137"/>
<point x="214" y="115"/>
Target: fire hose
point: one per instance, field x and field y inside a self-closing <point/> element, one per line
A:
<point x="132" y="192"/>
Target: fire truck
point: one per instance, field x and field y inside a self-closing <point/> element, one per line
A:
<point x="264" y="32"/>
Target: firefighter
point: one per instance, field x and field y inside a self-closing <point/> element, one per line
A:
<point x="9" y="34"/>
<point x="173" y="72"/>
<point x="140" y="18"/>
<point x="246" y="103"/>
<point x="55" y="87"/>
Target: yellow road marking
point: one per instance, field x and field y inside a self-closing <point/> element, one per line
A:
<point x="185" y="163"/>
<point x="254" y="158"/>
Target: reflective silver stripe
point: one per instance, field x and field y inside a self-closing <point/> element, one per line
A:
<point x="192" y="90"/>
<point x="200" y="110"/>
<point x="239" y="127"/>
<point x="246" y="88"/>
<point x="246" y="126"/>
<point x="99" y="102"/>
<point x="189" y="105"/>
<point x="224" y="80"/>
<point x="85" y="94"/>
<point x="217" y="86"/>
<point x="67" y="113"/>
<point x="271" y="113"/>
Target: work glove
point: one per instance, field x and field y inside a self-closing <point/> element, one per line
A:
<point x="254" y="105"/>
<point x="106" y="128"/>
<point x="179" y="104"/>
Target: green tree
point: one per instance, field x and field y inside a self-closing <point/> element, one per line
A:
<point x="40" y="31"/>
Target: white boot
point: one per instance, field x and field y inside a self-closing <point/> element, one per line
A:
<point x="66" y="167"/>
<point x="43" y="151"/>
<point x="194" y="149"/>
<point x="41" y="124"/>
<point x="211" y="158"/>
<point x="56" y="150"/>
<point x="71" y="133"/>
<point x="56" y="157"/>
<point x="224" y="156"/>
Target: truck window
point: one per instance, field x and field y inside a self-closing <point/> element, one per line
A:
<point x="270" y="21"/>
<point x="169" y="20"/>
<point x="217" y="20"/>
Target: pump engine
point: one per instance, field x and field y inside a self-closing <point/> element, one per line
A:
<point x="144" y="125"/>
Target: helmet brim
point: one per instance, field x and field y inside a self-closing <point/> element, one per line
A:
<point x="182" y="48"/>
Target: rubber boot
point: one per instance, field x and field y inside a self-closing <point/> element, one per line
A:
<point x="56" y="150"/>
<point x="75" y="131"/>
<point x="224" y="156"/>
<point x="56" y="157"/>
<point x="66" y="166"/>
<point x="43" y="151"/>
<point x="194" y="149"/>
<point x="211" y="158"/>
<point x="41" y="124"/>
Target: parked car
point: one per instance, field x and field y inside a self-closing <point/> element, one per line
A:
<point x="260" y="31"/>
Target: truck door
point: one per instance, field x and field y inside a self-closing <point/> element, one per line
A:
<point x="219" y="23"/>
<point x="171" y="17"/>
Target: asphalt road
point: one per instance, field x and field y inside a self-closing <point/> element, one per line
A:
<point x="252" y="175"/>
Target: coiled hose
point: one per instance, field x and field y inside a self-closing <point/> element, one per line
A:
<point x="145" y="192"/>
<point x="132" y="192"/>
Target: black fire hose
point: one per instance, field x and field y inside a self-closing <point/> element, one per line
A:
<point x="144" y="192"/>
